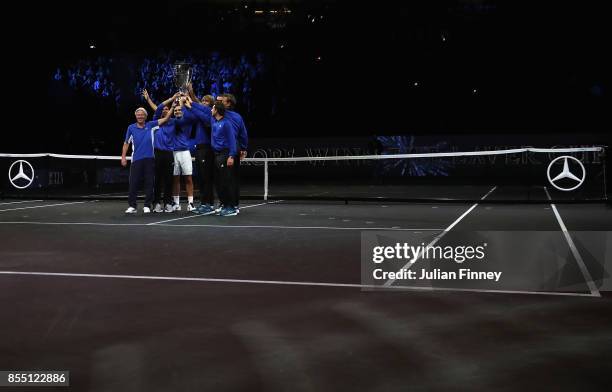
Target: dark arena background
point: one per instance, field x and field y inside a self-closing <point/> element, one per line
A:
<point x="466" y="128"/>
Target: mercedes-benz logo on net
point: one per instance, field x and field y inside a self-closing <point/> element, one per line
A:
<point x="566" y="173"/>
<point x="21" y="174"/>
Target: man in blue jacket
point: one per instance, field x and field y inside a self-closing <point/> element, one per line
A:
<point x="205" y="160"/>
<point x="223" y="142"/>
<point x="242" y="138"/>
<point x="223" y="146"/>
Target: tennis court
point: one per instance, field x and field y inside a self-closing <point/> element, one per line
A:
<point x="179" y="301"/>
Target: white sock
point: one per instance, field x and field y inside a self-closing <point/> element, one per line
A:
<point x="177" y="199"/>
<point x="190" y="199"/>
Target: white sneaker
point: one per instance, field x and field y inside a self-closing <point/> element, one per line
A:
<point x="146" y="210"/>
<point x="190" y="207"/>
<point x="130" y="210"/>
<point x="169" y="208"/>
<point x="177" y="207"/>
<point x="158" y="208"/>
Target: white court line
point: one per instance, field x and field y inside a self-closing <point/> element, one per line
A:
<point x="389" y="282"/>
<point x="583" y="268"/>
<point x="74" y="223"/>
<point x="20" y="202"/>
<point x="45" y="206"/>
<point x="282" y="282"/>
<point x="109" y="194"/>
<point x="199" y="215"/>
<point x="306" y="227"/>
<point x="216" y="226"/>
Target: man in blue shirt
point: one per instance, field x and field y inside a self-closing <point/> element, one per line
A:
<point x="164" y="158"/>
<point x="229" y="101"/>
<point x="142" y="170"/>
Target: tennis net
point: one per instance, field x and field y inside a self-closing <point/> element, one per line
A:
<point x="512" y="175"/>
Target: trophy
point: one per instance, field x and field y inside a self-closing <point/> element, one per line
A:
<point x="182" y="76"/>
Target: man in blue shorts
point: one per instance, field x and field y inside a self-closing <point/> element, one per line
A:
<point x="183" y="166"/>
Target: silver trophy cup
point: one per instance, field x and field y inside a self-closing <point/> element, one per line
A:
<point x="182" y="76"/>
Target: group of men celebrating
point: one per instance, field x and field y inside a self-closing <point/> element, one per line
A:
<point x="161" y="153"/>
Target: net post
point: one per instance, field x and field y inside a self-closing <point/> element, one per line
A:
<point x="266" y="180"/>
<point x="605" y="173"/>
<point x="48" y="158"/>
<point x="95" y="176"/>
<point x="531" y="171"/>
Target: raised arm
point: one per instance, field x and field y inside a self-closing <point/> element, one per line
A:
<point x="188" y="101"/>
<point x="145" y="95"/>
<point x="171" y="99"/>
<point x="192" y="94"/>
<point x="201" y="112"/>
<point x="189" y="116"/>
<point x="166" y="118"/>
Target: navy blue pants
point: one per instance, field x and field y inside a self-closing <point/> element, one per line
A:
<point x="142" y="171"/>
<point x="205" y="159"/>
<point x="163" y="176"/>
<point x="224" y="179"/>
